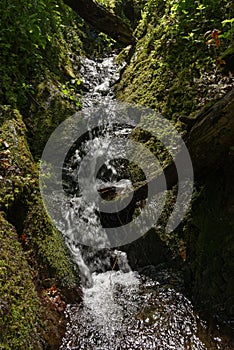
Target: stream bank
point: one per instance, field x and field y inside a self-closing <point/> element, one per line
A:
<point x="37" y="92"/>
<point x="172" y="69"/>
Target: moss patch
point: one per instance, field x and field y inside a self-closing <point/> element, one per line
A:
<point x="17" y="169"/>
<point x="27" y="234"/>
<point x="169" y="66"/>
<point x="20" y="319"/>
<point x="48" y="246"/>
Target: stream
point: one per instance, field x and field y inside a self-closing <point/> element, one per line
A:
<point x="121" y="308"/>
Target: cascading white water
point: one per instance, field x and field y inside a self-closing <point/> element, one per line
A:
<point x="120" y="309"/>
<point x="97" y="78"/>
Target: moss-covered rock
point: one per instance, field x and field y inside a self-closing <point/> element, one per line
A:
<point x="173" y="69"/>
<point x="20" y="199"/>
<point x="56" y="100"/>
<point x="33" y="254"/>
<point x="20" y="313"/>
<point x="17" y="170"/>
<point x="48" y="246"/>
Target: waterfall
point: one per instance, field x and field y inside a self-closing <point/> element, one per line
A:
<point x="121" y="308"/>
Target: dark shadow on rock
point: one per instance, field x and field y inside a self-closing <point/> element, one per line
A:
<point x="147" y="250"/>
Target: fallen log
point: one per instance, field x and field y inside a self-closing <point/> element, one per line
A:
<point x="101" y="19"/>
<point x="208" y="141"/>
<point x="212" y="135"/>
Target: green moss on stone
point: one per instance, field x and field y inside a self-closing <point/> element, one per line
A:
<point x="20" y="315"/>
<point x="48" y="245"/>
<point x="171" y="62"/>
<point x="31" y="249"/>
<point x="17" y="169"/>
<point x="20" y="199"/>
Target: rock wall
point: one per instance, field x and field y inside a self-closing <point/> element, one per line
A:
<point x="211" y="245"/>
<point x="32" y="254"/>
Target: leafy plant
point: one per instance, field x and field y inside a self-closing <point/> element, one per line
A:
<point x="214" y="37"/>
<point x="228" y="34"/>
<point x="71" y="89"/>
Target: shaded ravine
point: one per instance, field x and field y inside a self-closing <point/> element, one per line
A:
<point x="121" y="309"/>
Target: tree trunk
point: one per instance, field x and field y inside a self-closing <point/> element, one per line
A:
<point x="103" y="20"/>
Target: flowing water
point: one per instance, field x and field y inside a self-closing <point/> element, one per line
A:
<point x="121" y="309"/>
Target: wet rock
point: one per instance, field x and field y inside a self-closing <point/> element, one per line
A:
<point x="72" y="295"/>
<point x="147" y="250"/>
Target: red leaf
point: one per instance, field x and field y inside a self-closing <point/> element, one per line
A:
<point x="23" y="238"/>
<point x="215" y="33"/>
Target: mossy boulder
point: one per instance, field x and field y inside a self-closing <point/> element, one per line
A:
<point x="48" y="246"/>
<point x="57" y="99"/>
<point x="172" y="68"/>
<point x="20" y="309"/>
<point x="33" y="254"/>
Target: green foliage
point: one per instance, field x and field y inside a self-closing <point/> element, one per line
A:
<point x="38" y="67"/>
<point x="70" y="88"/>
<point x="228" y="28"/>
<point x="42" y="29"/>
<point x="36" y="25"/>
<point x="106" y="40"/>
<point x="171" y="56"/>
